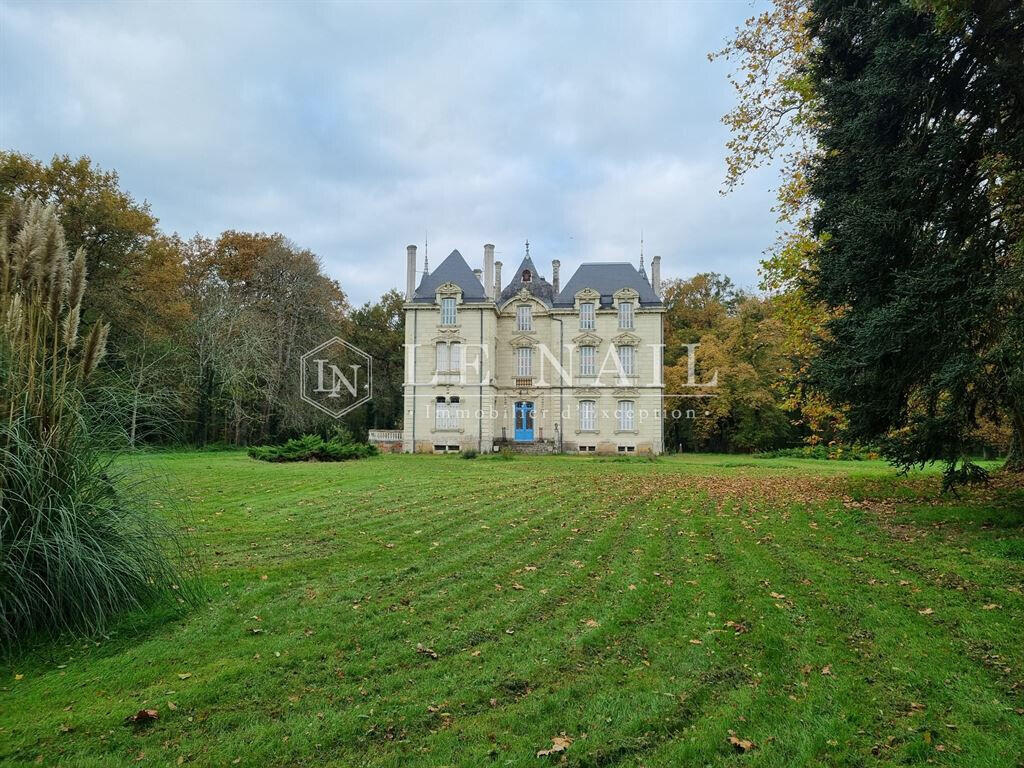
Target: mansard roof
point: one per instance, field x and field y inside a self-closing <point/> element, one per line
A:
<point x="537" y="287"/>
<point x="607" y="278"/>
<point x="453" y="269"/>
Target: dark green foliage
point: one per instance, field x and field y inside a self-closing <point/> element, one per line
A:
<point x="469" y="453"/>
<point x="314" y="448"/>
<point x="80" y="541"/>
<point x="921" y="139"/>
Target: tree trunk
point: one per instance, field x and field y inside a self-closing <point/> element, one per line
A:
<point x="1015" y="461"/>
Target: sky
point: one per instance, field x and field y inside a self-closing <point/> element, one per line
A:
<point x="356" y="129"/>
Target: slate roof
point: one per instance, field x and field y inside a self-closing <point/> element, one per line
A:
<point x="453" y="269"/>
<point x="606" y="278"/>
<point x="538" y="286"/>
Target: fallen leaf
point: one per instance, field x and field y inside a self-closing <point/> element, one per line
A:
<point x="171" y="705"/>
<point x="990" y="607"/>
<point x="592" y="623"/>
<point x="421" y="648"/>
<point x="740" y="745"/>
<point x="827" y="669"/>
<point x="143" y="716"/>
<point x="926" y="611"/>
<point x="558" y="744"/>
<point x="184" y="675"/>
<point x="778" y="596"/>
<point x="695" y="641"/>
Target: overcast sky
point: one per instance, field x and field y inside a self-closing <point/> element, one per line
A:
<point x="357" y="129"/>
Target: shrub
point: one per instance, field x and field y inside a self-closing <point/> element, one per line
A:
<point x="469" y="453"/>
<point x="314" y="448"/>
<point x="78" y="542"/>
<point x="834" y="452"/>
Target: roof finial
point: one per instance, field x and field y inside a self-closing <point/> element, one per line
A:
<point x="527" y="247"/>
<point x="642" y="272"/>
<point x="426" y="252"/>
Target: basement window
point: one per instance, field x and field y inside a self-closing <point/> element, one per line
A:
<point x="588" y="448"/>
<point x="627" y="449"/>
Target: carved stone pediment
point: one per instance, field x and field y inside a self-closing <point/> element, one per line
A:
<point x="587" y="339"/>
<point x="586" y="392"/>
<point x="448" y="290"/>
<point x="626" y="392"/>
<point x="448" y="333"/>
<point x="625" y="294"/>
<point x="523" y="340"/>
<point x="626" y="339"/>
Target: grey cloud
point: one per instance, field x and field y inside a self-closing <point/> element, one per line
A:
<point x="354" y="129"/>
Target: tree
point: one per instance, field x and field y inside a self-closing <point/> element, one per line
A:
<point x="920" y="127"/>
<point x="379" y="330"/>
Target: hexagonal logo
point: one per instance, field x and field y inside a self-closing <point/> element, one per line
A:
<point x="336" y="377"/>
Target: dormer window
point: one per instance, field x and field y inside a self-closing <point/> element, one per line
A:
<point x="447" y="311"/>
<point x="527" y="276"/>
<point x="524" y="318"/>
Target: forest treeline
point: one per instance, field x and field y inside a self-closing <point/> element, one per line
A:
<point x="206" y="333"/>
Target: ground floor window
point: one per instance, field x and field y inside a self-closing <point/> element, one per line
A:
<point x="446" y="413"/>
<point x="627" y="420"/>
<point x="588" y="415"/>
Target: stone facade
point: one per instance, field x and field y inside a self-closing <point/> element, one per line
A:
<point x="530" y="366"/>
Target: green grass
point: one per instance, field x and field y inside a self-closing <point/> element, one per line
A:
<point x="595" y="598"/>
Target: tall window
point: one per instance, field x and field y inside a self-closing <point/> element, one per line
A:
<point x="588" y="415"/>
<point x="587" y="357"/>
<point x="524" y="318"/>
<point x="627" y="356"/>
<point x="587" y="315"/>
<point x="446" y="413"/>
<point x="625" y="314"/>
<point x="447" y="311"/>
<point x="627" y="422"/>
<point x="524" y="361"/>
<point x="448" y="356"/>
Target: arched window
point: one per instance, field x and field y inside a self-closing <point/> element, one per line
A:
<point x="527" y="276"/>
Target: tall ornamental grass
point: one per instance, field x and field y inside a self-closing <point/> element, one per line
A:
<point x="78" y="542"/>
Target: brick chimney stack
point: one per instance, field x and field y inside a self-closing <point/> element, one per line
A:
<point x="497" y="280"/>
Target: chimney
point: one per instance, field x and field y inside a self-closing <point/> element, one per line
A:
<point x="410" y="272"/>
<point x="497" y="280"/>
<point x="489" y="270"/>
<point x="656" y="275"/>
<point x="555" y="264"/>
<point x="479" y="275"/>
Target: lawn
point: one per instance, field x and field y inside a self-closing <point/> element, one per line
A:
<point x="429" y="611"/>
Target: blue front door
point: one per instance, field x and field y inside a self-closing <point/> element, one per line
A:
<point x="524" y="421"/>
